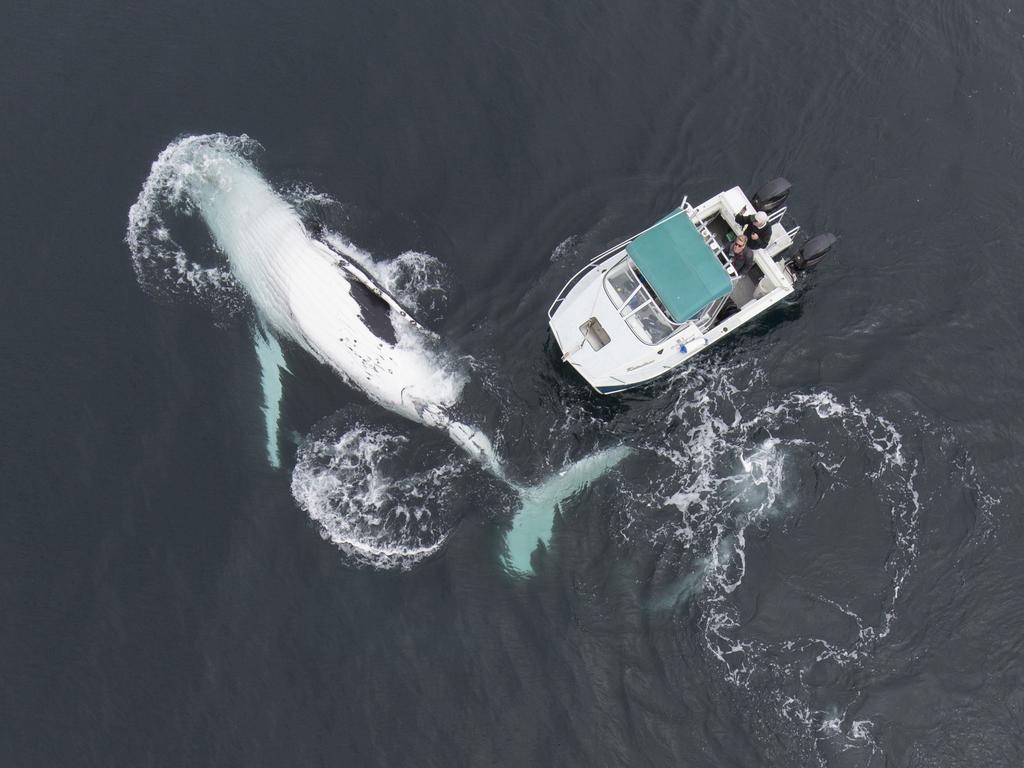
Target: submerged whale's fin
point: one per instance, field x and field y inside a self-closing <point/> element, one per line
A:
<point x="537" y="504"/>
<point x="272" y="363"/>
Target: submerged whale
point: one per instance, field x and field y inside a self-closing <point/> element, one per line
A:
<point x="332" y="308"/>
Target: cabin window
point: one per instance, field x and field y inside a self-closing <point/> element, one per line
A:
<point x="650" y="325"/>
<point x="637" y="304"/>
<point x="623" y="283"/>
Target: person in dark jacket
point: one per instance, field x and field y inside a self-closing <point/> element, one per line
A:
<point x="756" y="227"/>
<point x="740" y="254"/>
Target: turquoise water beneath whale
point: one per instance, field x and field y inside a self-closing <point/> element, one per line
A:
<point x="805" y="549"/>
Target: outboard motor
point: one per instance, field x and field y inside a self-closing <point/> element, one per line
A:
<point x="772" y="195"/>
<point x="813" y="252"/>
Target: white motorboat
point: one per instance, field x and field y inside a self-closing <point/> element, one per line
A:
<point x="650" y="303"/>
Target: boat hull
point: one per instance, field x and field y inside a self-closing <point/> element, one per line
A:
<point x="615" y="357"/>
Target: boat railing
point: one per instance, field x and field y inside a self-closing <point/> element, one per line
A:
<point x="710" y="239"/>
<point x="776" y="218"/>
<point x="706" y="320"/>
<point x="576" y="278"/>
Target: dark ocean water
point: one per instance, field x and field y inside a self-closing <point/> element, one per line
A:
<point x="813" y="555"/>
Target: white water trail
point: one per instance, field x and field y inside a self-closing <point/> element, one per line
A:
<point x="736" y="473"/>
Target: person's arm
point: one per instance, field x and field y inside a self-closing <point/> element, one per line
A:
<point x="755" y="239"/>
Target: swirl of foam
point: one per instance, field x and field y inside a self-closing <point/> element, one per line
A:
<point x="350" y="482"/>
<point x="162" y="265"/>
<point x="748" y="465"/>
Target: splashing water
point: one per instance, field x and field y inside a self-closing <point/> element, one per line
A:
<point x="388" y="501"/>
<point x="566" y="249"/>
<point x="375" y="512"/>
<point x="733" y="472"/>
<point x="162" y="265"/>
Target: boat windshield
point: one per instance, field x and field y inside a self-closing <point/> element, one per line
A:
<point x="637" y="304"/>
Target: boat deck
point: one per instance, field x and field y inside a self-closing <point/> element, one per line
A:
<point x="743" y="287"/>
<point x="721" y="230"/>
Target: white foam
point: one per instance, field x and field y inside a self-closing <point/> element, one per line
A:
<point x="566" y="248"/>
<point x="377" y="519"/>
<point x="161" y="264"/>
<point x="731" y="473"/>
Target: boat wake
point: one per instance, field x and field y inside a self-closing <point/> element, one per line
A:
<point x="736" y="473"/>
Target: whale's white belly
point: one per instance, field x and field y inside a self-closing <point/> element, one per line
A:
<point x="300" y="290"/>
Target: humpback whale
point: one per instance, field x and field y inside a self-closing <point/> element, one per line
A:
<point x="331" y="307"/>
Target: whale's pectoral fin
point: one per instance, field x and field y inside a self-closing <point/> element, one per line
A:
<point x="537" y="504"/>
<point x="272" y="363"/>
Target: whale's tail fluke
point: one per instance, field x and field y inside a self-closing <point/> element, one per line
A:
<point x="537" y="504"/>
<point x="535" y="512"/>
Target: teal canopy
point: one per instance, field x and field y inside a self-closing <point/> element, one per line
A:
<point x="680" y="267"/>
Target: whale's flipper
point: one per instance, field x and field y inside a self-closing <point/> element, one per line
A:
<point x="537" y="504"/>
<point x="271" y="359"/>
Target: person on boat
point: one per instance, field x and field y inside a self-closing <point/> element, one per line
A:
<point x="740" y="255"/>
<point x="756" y="227"/>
